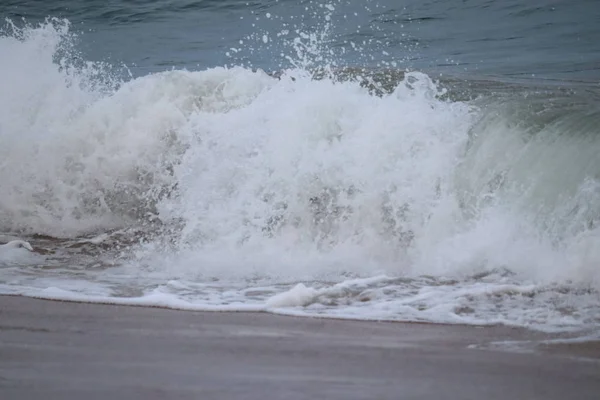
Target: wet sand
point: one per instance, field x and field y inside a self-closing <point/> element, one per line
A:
<point x="58" y="350"/>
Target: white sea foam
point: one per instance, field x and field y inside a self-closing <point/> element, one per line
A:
<point x="18" y="252"/>
<point x="252" y="192"/>
<point x="298" y="296"/>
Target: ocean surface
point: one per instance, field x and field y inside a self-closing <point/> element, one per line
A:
<point x="385" y="160"/>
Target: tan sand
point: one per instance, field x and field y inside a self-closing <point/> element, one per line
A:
<point x="56" y="350"/>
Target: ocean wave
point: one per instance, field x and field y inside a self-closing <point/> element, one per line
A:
<point x="236" y="175"/>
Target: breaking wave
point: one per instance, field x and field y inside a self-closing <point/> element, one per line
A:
<point x="236" y="175"/>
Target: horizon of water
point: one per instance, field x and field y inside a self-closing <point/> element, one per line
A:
<point x="379" y="172"/>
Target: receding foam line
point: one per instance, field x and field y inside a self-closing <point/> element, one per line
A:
<point x="154" y="300"/>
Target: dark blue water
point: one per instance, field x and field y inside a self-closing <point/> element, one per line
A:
<point x="543" y="39"/>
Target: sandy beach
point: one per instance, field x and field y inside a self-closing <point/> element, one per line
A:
<point x="59" y="350"/>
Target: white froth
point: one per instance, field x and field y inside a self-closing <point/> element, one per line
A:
<point x="298" y="296"/>
<point x="16" y="244"/>
<point x="17" y="252"/>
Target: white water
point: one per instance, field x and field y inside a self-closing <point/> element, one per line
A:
<point x="292" y="195"/>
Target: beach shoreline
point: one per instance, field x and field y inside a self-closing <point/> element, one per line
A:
<point x="67" y="350"/>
